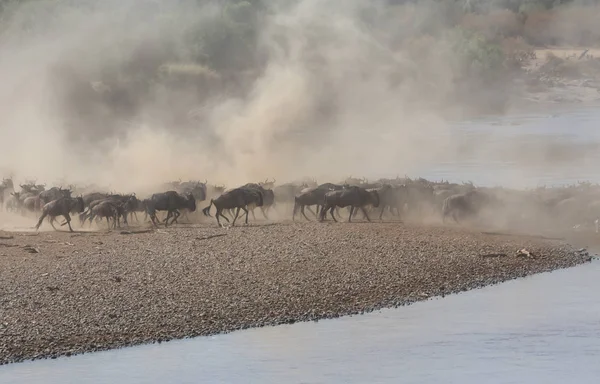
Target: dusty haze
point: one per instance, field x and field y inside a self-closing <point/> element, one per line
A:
<point x="327" y="90"/>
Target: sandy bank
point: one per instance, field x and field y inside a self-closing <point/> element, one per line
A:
<point x="93" y="291"/>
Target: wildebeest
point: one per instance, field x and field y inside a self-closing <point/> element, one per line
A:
<point x="268" y="198"/>
<point x="169" y="201"/>
<point x="124" y="204"/>
<point x="238" y="198"/>
<point x="53" y="193"/>
<point x="313" y="196"/>
<point x="308" y="197"/>
<point x="13" y="204"/>
<point x="465" y="205"/>
<point x="389" y="197"/>
<point x="61" y="207"/>
<point x="109" y="209"/>
<point x="267" y="184"/>
<point x="353" y="197"/>
<point x="6" y="190"/>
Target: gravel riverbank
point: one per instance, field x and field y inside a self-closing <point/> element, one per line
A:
<point x="62" y="293"/>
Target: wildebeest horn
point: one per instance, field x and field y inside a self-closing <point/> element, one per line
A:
<point x="205" y="181"/>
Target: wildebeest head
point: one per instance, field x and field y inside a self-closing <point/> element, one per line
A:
<point x="7" y="184"/>
<point x="267" y="184"/>
<point x="78" y="204"/>
<point x="199" y="191"/>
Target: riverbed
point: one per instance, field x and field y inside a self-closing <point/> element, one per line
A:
<point x="540" y="329"/>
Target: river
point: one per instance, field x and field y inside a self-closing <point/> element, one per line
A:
<point x="540" y="329"/>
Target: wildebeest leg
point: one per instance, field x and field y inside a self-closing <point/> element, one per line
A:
<point x="44" y="214"/>
<point x="237" y="212"/>
<point x="364" y="211"/>
<point x="217" y="216"/>
<point x="322" y="214"/>
<point x="253" y="217"/>
<point x="454" y="216"/>
<point x="381" y="212"/>
<point x="351" y="212"/>
<point x="220" y="213"/>
<point x="264" y="213"/>
<point x="310" y="210"/>
<point x="331" y="211"/>
<point x="52" y="223"/>
<point x="168" y="217"/>
<point x="176" y="214"/>
<point x="68" y="218"/>
<point x="303" y="213"/>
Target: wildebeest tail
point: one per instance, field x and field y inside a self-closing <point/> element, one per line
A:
<point x="206" y="210"/>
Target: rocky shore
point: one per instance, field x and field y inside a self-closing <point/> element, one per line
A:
<point x="63" y="294"/>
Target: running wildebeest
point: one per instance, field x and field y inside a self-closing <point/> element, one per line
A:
<point x="465" y="205"/>
<point x="238" y="198"/>
<point x="308" y="197"/>
<point x="110" y="209"/>
<point x="169" y="201"/>
<point x="268" y="197"/>
<point x="53" y="193"/>
<point x="314" y="196"/>
<point x="353" y="197"/>
<point x="123" y="203"/>
<point x="389" y="197"/>
<point x="61" y="207"/>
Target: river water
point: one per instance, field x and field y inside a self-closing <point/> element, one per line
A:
<point x="540" y="329"/>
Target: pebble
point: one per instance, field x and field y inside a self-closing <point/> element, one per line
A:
<point x="255" y="276"/>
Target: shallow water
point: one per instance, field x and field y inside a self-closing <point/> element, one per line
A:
<point x="542" y="329"/>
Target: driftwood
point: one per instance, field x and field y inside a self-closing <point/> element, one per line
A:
<point x="136" y="232"/>
<point x="211" y="236"/>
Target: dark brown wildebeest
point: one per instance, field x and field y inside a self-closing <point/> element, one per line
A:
<point x="353" y="197"/>
<point x="389" y="197"/>
<point x="53" y="193"/>
<point x="110" y="209"/>
<point x="198" y="189"/>
<point x="169" y="201"/>
<point x="268" y="197"/>
<point x="314" y="196"/>
<point x="61" y="207"/>
<point x="124" y="204"/>
<point x="238" y="198"/>
<point x="308" y="197"/>
<point x="465" y="205"/>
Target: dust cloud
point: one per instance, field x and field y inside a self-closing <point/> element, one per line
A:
<point x="130" y="94"/>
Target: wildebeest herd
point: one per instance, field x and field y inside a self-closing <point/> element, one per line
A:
<point x="388" y="199"/>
